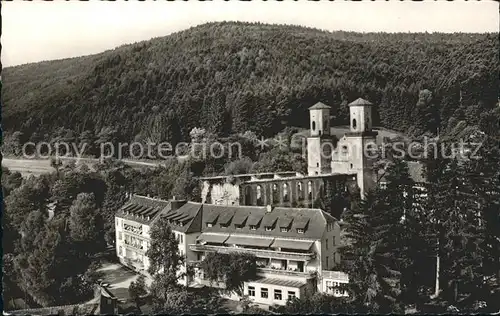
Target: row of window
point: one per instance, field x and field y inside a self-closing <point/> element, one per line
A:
<point x="264" y="293"/>
<point x="267" y="228"/>
<point x="333" y="242"/>
<point x="332" y="288"/>
<point x="286" y="196"/>
<point x="179" y="237"/>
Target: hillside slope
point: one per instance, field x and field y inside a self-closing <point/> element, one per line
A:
<point x="231" y="77"/>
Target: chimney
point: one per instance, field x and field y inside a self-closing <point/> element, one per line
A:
<point x="269" y="208"/>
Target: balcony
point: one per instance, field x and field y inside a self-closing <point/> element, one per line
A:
<point x="257" y="252"/>
<point x="284" y="272"/>
<point x="132" y="229"/>
<point x="134" y="246"/>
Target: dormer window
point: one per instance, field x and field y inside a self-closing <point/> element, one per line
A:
<point x="253" y="227"/>
<point x="284" y="229"/>
<point x="238" y="226"/>
<point x="269" y="228"/>
<point x="300" y="231"/>
<point x="209" y="225"/>
<point x="224" y="225"/>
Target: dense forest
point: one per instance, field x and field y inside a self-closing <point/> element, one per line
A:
<point x="234" y="77"/>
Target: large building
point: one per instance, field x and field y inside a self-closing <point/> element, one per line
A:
<point x="296" y="248"/>
<point x="269" y="215"/>
<point x="344" y="164"/>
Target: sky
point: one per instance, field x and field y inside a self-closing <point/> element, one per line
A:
<point x="36" y="31"/>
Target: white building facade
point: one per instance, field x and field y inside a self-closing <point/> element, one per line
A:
<point x="296" y="249"/>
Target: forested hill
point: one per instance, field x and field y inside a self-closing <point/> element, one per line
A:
<point x="232" y="77"/>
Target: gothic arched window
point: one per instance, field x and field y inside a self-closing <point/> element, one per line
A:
<point x="300" y="191"/>
<point x="285" y="192"/>
<point x="309" y="190"/>
<point x="275" y="193"/>
<point x="354" y="123"/>
<point x="313" y="126"/>
<point x="248" y="194"/>
<point x="259" y="195"/>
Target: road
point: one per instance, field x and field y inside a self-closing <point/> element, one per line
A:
<point x="37" y="167"/>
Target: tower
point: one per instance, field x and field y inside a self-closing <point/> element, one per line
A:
<point x="361" y="141"/>
<point x="319" y="145"/>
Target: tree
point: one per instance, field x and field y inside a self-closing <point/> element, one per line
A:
<point x="32" y="195"/>
<point x="232" y="269"/>
<point x="85" y="225"/>
<point x="137" y="289"/>
<point x="163" y="253"/>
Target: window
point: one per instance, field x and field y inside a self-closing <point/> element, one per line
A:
<point x="285" y="192"/>
<point x="299" y="190"/>
<point x="291" y="295"/>
<point x="253" y="227"/>
<point x="327" y="262"/>
<point x="119" y="236"/>
<point x="209" y="224"/>
<point x="325" y="125"/>
<point x="313" y="126"/>
<point x="284" y="229"/>
<point x="238" y="226"/>
<point x="351" y="166"/>
<point x="326" y="243"/>
<point x="264" y="293"/>
<point x="182" y="238"/>
<point x="251" y="291"/>
<point x="354" y="123"/>
<point x="120" y="250"/>
<point x="317" y="164"/>
<point x="275" y="193"/>
<point x="329" y="287"/>
<point x="269" y="228"/>
<point x="277" y="295"/>
<point x="309" y="189"/>
<point x="259" y="195"/>
<point x="300" y="230"/>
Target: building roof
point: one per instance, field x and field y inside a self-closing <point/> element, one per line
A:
<point x="360" y="102"/>
<point x="320" y="106"/>
<point x="329" y="175"/>
<point x="248" y="215"/>
<point x="194" y="217"/>
<point x="249" y="241"/>
<point x="213" y="238"/>
<point x="186" y="219"/>
<point x="143" y="209"/>
<point x="292" y="244"/>
<point x="249" y="175"/>
<point x="280" y="282"/>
